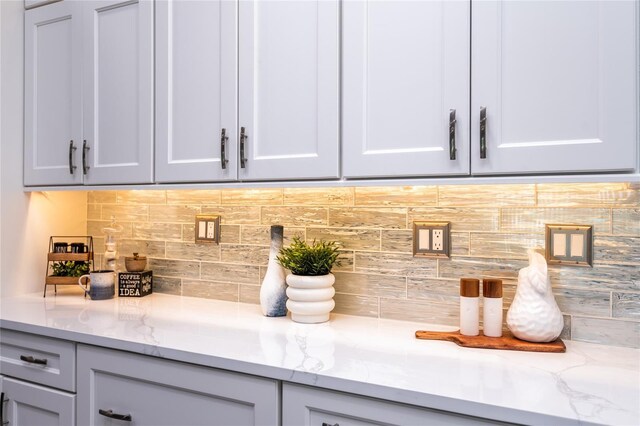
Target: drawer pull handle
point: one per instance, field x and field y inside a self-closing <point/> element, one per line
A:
<point x="33" y="360"/>
<point x="2" y="401"/>
<point x="329" y="424"/>
<point x="112" y="415"/>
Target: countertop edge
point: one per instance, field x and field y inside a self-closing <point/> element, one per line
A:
<point x="398" y="395"/>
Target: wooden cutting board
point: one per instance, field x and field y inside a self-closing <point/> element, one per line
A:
<point x="506" y="342"/>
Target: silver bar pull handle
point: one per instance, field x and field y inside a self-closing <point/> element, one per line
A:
<point x="85" y="148"/>
<point x="72" y="149"/>
<point x="452" y="134"/>
<point x="223" y="148"/>
<point x="243" y="138"/>
<point x="483" y="132"/>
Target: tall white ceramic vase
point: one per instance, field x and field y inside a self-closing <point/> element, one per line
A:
<point x="310" y="297"/>
<point x="273" y="296"/>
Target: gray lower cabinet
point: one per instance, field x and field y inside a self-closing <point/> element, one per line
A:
<point x="151" y="391"/>
<point x="38" y="359"/>
<point x="28" y="404"/>
<point x="308" y="406"/>
<point x="31" y="366"/>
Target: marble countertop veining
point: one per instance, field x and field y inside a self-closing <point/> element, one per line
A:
<point x="378" y="358"/>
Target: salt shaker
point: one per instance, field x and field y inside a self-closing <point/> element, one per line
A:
<point x="469" y="306"/>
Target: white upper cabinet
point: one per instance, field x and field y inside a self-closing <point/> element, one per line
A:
<point x="89" y="93"/>
<point x="250" y="90"/>
<point x="196" y="91"/>
<point x="288" y="89"/>
<point x="118" y="91"/>
<point x="53" y="117"/>
<point x="405" y="68"/>
<point x="559" y="84"/>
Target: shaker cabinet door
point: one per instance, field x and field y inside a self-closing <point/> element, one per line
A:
<point x="307" y="406"/>
<point x="52" y="126"/>
<point x="27" y="404"/>
<point x="151" y="392"/>
<point x="288" y="89"/>
<point x="118" y="91"/>
<point x="405" y="71"/>
<point x="196" y="85"/>
<point x="558" y="81"/>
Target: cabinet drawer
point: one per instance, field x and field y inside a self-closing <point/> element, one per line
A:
<point x="303" y="405"/>
<point x="151" y="391"/>
<point x="30" y="4"/>
<point x="42" y="360"/>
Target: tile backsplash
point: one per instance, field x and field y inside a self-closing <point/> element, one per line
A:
<point x="491" y="228"/>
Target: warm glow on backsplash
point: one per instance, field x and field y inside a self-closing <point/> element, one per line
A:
<point x="491" y="228"/>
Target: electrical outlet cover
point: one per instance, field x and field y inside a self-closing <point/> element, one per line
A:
<point x="431" y="239"/>
<point x="570" y="245"/>
<point x="437" y="238"/>
<point x="207" y="229"/>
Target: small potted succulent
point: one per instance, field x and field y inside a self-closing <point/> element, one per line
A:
<point x="310" y="283"/>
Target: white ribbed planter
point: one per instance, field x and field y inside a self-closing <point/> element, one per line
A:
<point x="310" y="297"/>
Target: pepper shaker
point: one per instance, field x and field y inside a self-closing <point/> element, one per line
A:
<point x="492" y="307"/>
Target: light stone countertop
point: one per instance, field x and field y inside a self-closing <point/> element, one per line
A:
<point x="378" y="358"/>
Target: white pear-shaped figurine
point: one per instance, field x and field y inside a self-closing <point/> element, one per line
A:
<point x="534" y="314"/>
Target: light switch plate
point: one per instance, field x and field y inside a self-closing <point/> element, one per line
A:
<point x="569" y="244"/>
<point x="431" y="239"/>
<point x="207" y="229"/>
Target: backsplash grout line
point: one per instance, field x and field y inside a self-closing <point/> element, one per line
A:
<point x="611" y="221"/>
<point x="611" y="304"/>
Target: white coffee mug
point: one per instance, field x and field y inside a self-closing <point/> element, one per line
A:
<point x="101" y="284"/>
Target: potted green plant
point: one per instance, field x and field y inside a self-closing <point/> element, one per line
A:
<point x="69" y="268"/>
<point x="310" y="283"/>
